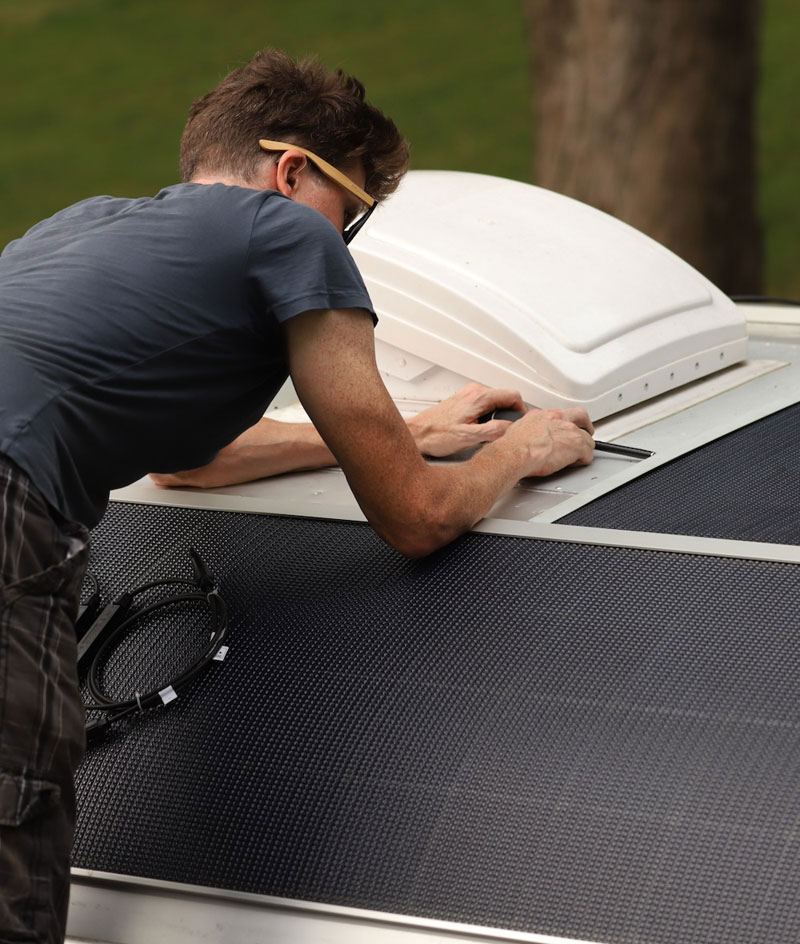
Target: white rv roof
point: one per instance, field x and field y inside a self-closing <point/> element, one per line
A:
<point x="481" y="278"/>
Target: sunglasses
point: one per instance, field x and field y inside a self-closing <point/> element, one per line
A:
<point x="333" y="174"/>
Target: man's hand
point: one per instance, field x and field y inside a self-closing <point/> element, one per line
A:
<point x="555" y="439"/>
<point x="451" y="426"/>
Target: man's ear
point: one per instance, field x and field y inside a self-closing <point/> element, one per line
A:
<point x="289" y="172"/>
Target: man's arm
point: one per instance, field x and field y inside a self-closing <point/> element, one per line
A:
<point x="271" y="447"/>
<point x="414" y="506"/>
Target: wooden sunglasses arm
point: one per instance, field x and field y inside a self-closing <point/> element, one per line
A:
<point x="328" y="169"/>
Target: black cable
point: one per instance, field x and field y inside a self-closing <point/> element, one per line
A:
<point x="113" y="629"/>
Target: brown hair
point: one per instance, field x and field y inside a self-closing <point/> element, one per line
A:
<point x="277" y="97"/>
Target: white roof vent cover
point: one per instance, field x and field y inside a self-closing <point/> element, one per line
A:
<point x="481" y="278"/>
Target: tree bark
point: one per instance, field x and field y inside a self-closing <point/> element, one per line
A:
<point x="645" y="109"/>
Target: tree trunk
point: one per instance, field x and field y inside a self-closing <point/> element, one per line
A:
<point x="645" y="109"/>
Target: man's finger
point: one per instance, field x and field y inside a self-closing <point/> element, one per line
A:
<point x="484" y="400"/>
<point x="578" y="416"/>
<point x="501" y="399"/>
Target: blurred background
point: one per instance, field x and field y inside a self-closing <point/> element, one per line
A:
<point x="95" y="93"/>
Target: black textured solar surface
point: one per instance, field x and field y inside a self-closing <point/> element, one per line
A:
<point x="744" y="486"/>
<point x="581" y="741"/>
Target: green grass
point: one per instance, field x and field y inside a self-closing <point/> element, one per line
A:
<point x="96" y="92"/>
<point x="101" y="87"/>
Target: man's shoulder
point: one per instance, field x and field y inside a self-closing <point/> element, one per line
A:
<point x="233" y="208"/>
<point x="281" y="222"/>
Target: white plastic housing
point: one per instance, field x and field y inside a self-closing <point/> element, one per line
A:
<point x="480" y="278"/>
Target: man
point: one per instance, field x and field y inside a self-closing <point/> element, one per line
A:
<point x="150" y="334"/>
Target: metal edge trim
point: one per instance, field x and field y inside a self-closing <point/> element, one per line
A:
<point x="134" y="884"/>
<point x="644" y="540"/>
<point x="532" y="530"/>
<point x="769" y="313"/>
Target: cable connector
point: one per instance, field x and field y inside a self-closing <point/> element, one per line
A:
<point x="86" y="615"/>
<point x="96" y="730"/>
<point x="88" y="611"/>
<point x="202" y="575"/>
<point x="107" y="621"/>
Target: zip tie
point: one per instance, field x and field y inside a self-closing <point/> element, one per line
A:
<point x="139" y="702"/>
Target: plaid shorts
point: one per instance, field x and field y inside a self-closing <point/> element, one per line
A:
<point x="42" y="563"/>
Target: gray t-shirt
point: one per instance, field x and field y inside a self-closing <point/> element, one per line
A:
<point x="143" y="335"/>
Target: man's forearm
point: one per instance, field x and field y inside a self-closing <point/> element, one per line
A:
<point x="428" y="506"/>
<point x="269" y="448"/>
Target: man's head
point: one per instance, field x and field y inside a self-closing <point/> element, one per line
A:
<point x="275" y="97"/>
